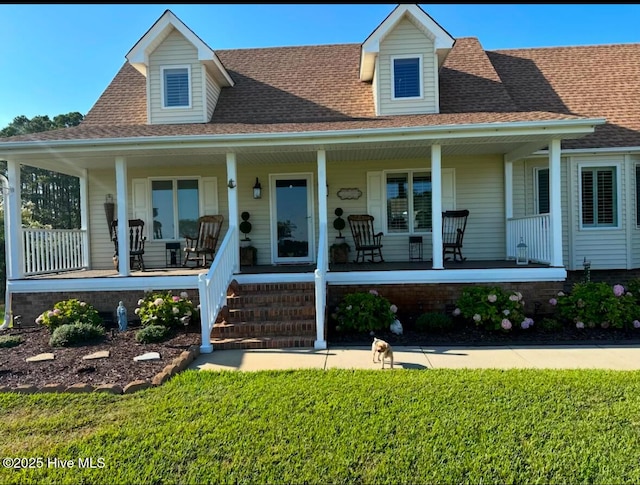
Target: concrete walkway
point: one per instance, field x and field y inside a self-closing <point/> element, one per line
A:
<point x="615" y="357"/>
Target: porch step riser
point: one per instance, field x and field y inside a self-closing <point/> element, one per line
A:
<point x="280" y="329"/>
<point x="279" y="299"/>
<point x="263" y="343"/>
<point x="276" y="288"/>
<point x="265" y="315"/>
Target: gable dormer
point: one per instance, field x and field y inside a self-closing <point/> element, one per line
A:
<point x="401" y="59"/>
<point x="184" y="76"/>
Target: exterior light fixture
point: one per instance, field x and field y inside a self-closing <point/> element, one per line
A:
<point x="523" y="256"/>
<point x="231" y="184"/>
<point x="257" y="190"/>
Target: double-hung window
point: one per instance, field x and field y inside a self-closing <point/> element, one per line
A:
<point x="599" y="196"/>
<point x="175" y="205"/>
<point x="542" y="191"/>
<point x="408" y="197"/>
<point x="175" y="87"/>
<point x="407" y="77"/>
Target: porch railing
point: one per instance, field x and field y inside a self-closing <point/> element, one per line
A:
<point x="320" y="277"/>
<point x="534" y="232"/>
<point x="213" y="285"/>
<point x="53" y="250"/>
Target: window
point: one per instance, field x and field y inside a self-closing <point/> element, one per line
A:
<point x="408" y="193"/>
<point x="638" y="195"/>
<point x="175" y="208"/>
<point x="599" y="196"/>
<point x="542" y="191"/>
<point x="407" y="77"/>
<point x="175" y="83"/>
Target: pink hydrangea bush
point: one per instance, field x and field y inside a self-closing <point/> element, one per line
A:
<point x="493" y="308"/>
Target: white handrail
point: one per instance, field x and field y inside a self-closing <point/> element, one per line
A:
<point x="53" y="250"/>
<point x="214" y="284"/>
<point x="534" y="232"/>
<point x="320" y="276"/>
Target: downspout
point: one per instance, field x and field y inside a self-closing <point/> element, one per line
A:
<point x="7" y="251"/>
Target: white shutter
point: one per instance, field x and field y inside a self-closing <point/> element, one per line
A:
<point x="448" y="189"/>
<point x="140" y="198"/>
<point x="375" y="202"/>
<point x="209" y="196"/>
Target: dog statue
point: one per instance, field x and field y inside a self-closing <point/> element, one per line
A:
<point x="383" y="349"/>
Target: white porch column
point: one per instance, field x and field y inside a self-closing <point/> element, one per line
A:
<point x="122" y="216"/>
<point x="508" y="200"/>
<point x="436" y="206"/>
<point x="232" y="196"/>
<point x="13" y="223"/>
<point x="555" y="208"/>
<point x="84" y="217"/>
<point x="322" y="202"/>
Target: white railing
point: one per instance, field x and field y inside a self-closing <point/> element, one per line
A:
<point x="53" y="250"/>
<point x="214" y="284"/>
<point x="320" y="275"/>
<point x="534" y="232"/>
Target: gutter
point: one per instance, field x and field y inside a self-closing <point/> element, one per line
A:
<point x="420" y="133"/>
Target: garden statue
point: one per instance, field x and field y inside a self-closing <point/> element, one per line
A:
<point x="121" y="311"/>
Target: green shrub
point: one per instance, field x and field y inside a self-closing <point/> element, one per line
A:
<point x="594" y="304"/>
<point x="364" y="311"/>
<point x="7" y="341"/>
<point x="492" y="308"/>
<point x="152" y="333"/>
<point x="550" y="325"/>
<point x="69" y="311"/>
<point x="434" y="322"/>
<point x="76" y="333"/>
<point x="165" y="309"/>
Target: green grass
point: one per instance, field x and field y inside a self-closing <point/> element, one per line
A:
<point x="337" y="426"/>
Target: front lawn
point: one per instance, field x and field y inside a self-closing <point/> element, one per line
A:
<point x="335" y="426"/>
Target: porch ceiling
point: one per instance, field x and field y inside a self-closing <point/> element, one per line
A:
<point x="69" y="159"/>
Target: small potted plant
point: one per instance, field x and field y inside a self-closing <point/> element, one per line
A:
<point x="340" y="248"/>
<point x="245" y="228"/>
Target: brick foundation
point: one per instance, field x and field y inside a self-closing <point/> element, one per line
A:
<point x="30" y="305"/>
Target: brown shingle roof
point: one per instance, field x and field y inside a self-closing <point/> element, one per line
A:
<point x="316" y="88"/>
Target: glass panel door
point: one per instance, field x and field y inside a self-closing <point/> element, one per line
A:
<point x="292" y="207"/>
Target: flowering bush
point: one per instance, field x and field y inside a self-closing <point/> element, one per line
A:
<point x="364" y="310"/>
<point x="67" y="312"/>
<point x="492" y="308"/>
<point x="165" y="309"/>
<point x="593" y="304"/>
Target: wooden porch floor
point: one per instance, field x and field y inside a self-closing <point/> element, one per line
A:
<point x="293" y="268"/>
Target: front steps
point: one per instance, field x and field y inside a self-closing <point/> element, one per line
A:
<point x="266" y="316"/>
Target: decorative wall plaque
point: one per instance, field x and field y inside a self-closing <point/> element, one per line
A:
<point x="353" y="193"/>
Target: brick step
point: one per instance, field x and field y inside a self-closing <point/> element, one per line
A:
<point x="263" y="342"/>
<point x="271" y="299"/>
<point x="267" y="314"/>
<point x="265" y="329"/>
<point x="250" y="288"/>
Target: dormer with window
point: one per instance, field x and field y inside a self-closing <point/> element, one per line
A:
<point x="401" y="59"/>
<point x="184" y="76"/>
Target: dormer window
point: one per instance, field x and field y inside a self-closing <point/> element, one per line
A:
<point x="176" y="87"/>
<point x="407" y="77"/>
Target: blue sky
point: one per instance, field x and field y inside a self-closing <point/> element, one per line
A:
<point x="55" y="59"/>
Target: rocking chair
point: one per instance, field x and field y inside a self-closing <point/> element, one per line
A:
<point x="365" y="238"/>
<point x="136" y="242"/>
<point x="453" y="225"/>
<point x="203" y="246"/>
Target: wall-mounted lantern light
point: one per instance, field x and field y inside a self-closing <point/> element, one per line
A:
<point x="231" y="184"/>
<point x="257" y="190"/>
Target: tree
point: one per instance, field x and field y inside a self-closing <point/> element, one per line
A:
<point x="49" y="199"/>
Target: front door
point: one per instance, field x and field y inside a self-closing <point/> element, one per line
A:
<point x="292" y="224"/>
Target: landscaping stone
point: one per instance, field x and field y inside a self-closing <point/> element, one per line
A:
<point x="171" y="369"/>
<point x="26" y="389"/>
<point x="80" y="387"/>
<point x="102" y="354"/>
<point x="136" y="386"/>
<point x="160" y="378"/>
<point x="41" y="357"/>
<point x="109" y="388"/>
<point x="52" y="388"/>
<point x="147" y="356"/>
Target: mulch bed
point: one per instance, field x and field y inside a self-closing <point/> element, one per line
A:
<point x="68" y="367"/>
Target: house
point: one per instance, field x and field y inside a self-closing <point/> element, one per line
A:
<point x="542" y="146"/>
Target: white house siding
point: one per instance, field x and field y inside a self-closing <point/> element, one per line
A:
<point x="479" y="187"/>
<point x="213" y="92"/>
<point x="175" y="50"/>
<point x="102" y="182"/>
<point x="606" y="248"/>
<point x="634" y="229"/>
<point x="405" y="39"/>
